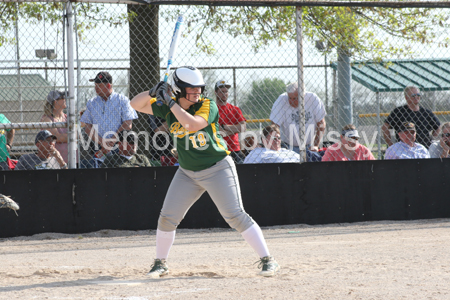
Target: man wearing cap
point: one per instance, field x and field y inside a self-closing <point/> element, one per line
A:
<point x="47" y="156"/>
<point x="127" y="156"/>
<point x="54" y="112"/>
<point x="231" y="121"/>
<point x="6" y="140"/>
<point x="424" y="119"/>
<point x="407" y="148"/>
<point x="348" y="148"/>
<point x="286" y="115"/>
<point x="107" y="113"/>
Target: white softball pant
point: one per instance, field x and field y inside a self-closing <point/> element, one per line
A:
<point x="222" y="184"/>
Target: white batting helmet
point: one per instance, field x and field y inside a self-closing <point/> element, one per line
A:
<point x="186" y="77"/>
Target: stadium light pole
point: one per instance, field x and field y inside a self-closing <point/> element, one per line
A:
<point x="45" y="53"/>
<point x="320" y="45"/>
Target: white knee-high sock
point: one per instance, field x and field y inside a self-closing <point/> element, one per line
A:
<point x="255" y="239"/>
<point x="164" y="241"/>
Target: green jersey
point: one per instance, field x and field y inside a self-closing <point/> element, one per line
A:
<point x="197" y="150"/>
<point x="3" y="150"/>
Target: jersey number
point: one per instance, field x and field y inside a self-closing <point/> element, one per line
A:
<point x="201" y="140"/>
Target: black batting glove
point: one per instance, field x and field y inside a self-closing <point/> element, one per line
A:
<point x="163" y="96"/>
<point x="154" y="89"/>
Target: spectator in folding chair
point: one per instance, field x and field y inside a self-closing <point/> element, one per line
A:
<point x="106" y="114"/>
<point x="423" y="119"/>
<point x="271" y="152"/>
<point x="47" y="157"/>
<point x="54" y="112"/>
<point x="407" y="148"/>
<point x="6" y="141"/>
<point x="441" y="149"/>
<point x="127" y="156"/>
<point x="231" y="121"/>
<point x="286" y="115"/>
<point x="348" y="148"/>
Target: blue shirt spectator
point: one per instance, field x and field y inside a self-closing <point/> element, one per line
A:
<point x="401" y="150"/>
<point x="407" y="148"/>
<point x="108" y="113"/>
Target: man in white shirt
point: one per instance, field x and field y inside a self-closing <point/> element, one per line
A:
<point x="285" y="114"/>
<point x="272" y="151"/>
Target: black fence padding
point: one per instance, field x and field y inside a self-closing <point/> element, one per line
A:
<point x="78" y="201"/>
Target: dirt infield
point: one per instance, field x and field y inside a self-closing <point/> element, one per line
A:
<point x="377" y="260"/>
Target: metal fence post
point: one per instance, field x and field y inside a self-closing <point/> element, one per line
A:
<point x="234" y="86"/>
<point x="19" y="92"/>
<point x="301" y="83"/>
<point x="344" y="89"/>
<point x="378" y="124"/>
<point x="72" y="137"/>
<point x="335" y="100"/>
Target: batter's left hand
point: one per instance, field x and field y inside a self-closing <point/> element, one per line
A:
<point x="154" y="89"/>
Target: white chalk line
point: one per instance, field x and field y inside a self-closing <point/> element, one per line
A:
<point x="53" y="267"/>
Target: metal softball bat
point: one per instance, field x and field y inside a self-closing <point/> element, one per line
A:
<point x="173" y="48"/>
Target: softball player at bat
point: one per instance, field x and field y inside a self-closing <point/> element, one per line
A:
<point x="204" y="165"/>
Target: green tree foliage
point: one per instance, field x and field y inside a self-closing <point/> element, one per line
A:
<point x="363" y="32"/>
<point x="89" y="15"/>
<point x="262" y="95"/>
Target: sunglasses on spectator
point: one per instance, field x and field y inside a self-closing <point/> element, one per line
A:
<point x="446" y="134"/>
<point x="275" y="138"/>
<point x="415" y="95"/>
<point x="351" y="137"/>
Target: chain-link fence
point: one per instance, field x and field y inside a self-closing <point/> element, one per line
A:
<point x="354" y="73"/>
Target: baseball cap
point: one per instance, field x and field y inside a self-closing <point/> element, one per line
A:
<point x="406" y="126"/>
<point x="131" y="137"/>
<point x="55" y="95"/>
<point x="43" y="135"/>
<point x="221" y="83"/>
<point x="102" y="77"/>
